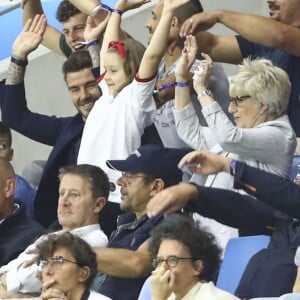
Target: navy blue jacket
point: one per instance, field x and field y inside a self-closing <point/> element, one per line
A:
<point x="130" y="234"/>
<point x="16" y="233"/>
<point x="276" y="209"/>
<point x="61" y="133"/>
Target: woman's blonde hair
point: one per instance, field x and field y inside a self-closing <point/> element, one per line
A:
<point x="268" y="84"/>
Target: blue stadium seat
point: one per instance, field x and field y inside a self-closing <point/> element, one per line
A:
<point x="237" y="254"/>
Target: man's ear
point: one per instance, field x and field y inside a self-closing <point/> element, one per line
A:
<point x="99" y="204"/>
<point x="198" y="267"/>
<point x="263" y="108"/>
<point x="10" y="187"/>
<point x="156" y="186"/>
<point x="83" y="274"/>
<point x="175" y="22"/>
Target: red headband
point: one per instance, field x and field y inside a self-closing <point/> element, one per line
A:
<point x="119" y="46"/>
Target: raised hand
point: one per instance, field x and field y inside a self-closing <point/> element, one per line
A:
<point x="188" y="57"/>
<point x="30" y="37"/>
<point x="199" y="22"/>
<point x="171" y="199"/>
<point x="202" y="74"/>
<point x="205" y="162"/>
<point x="125" y="5"/>
<point x="93" y="31"/>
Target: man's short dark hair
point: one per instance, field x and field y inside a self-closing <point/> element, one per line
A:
<point x="77" y="61"/>
<point x="5" y="132"/>
<point x="94" y="175"/>
<point x="200" y="243"/>
<point x="66" y="10"/>
<point x="187" y="10"/>
<point x="80" y="250"/>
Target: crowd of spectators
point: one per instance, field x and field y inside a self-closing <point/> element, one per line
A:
<point x="158" y="131"/>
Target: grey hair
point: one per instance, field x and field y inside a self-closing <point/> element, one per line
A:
<point x="268" y="84"/>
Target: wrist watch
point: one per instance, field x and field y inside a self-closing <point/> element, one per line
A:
<point x="203" y="93"/>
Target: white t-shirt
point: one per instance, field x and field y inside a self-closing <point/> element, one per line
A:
<point x="115" y="125"/>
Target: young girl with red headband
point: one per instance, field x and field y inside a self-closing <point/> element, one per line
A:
<point x="116" y="123"/>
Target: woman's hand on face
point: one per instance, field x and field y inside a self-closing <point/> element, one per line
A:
<point x="161" y="283"/>
<point x="187" y="59"/>
<point x="49" y="293"/>
<point x="202" y="74"/>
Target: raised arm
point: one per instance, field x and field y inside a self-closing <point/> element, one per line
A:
<point x="27" y="41"/>
<point x="257" y="29"/>
<point x="158" y="44"/>
<point x="51" y="36"/>
<point x="113" y="29"/>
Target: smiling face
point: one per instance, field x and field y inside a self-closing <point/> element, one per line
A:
<point x="185" y="274"/>
<point x="115" y="76"/>
<point x="76" y="205"/>
<point x="286" y="11"/>
<point x="84" y="90"/>
<point x="73" y="30"/>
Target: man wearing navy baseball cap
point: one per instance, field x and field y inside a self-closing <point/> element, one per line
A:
<point x="126" y="262"/>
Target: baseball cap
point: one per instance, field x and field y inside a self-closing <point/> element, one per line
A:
<point x="154" y="160"/>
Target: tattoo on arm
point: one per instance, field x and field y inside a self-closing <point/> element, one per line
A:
<point x="15" y="74"/>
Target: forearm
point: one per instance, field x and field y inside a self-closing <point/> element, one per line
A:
<point x="130" y="264"/>
<point x="112" y="33"/>
<point x="15" y="74"/>
<point x="279" y="192"/>
<point x="158" y="44"/>
<point x="85" y="6"/>
<point x="233" y="209"/>
<point x="31" y="8"/>
<point x="262" y="30"/>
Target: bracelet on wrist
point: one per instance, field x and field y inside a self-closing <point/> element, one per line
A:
<point x="117" y="11"/>
<point x="22" y="62"/>
<point x="164" y="87"/>
<point x="182" y="84"/>
<point x="204" y="93"/>
<point x="92" y="43"/>
<point x="101" y="6"/>
<point x="232" y="167"/>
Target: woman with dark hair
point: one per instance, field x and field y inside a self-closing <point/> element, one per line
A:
<point x="68" y="266"/>
<point x="186" y="258"/>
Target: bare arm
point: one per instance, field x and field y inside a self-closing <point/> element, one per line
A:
<point x="130" y="263"/>
<point x="158" y="44"/>
<point x="257" y="29"/>
<point x="51" y="36"/>
<point x="27" y="41"/>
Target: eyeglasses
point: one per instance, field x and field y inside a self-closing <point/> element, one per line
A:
<point x="131" y="176"/>
<point x="55" y="262"/>
<point x="236" y="100"/>
<point x="171" y="261"/>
